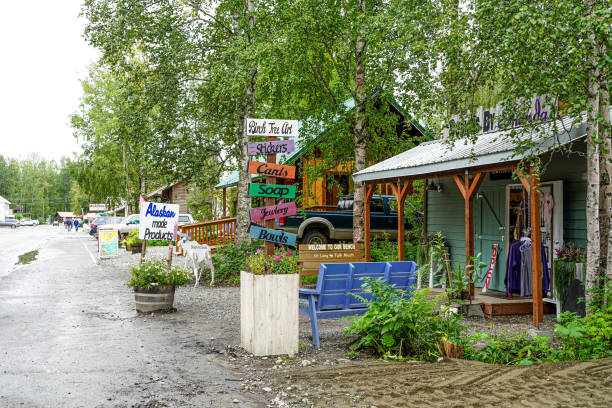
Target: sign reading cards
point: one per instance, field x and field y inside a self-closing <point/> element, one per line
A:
<point x="271" y="169"/>
<point x="271" y="127"/>
<point x="97" y="207"/>
<point x="270" y="235"/>
<point x="271" y="190"/>
<point x="108" y="243"/>
<point x="157" y="221"/>
<point x="275" y="147"/>
<point x="275" y="211"/>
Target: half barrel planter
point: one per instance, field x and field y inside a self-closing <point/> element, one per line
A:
<point x="154" y="299"/>
<point x="269" y="322"/>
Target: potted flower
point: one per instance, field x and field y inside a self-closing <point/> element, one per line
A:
<point x="154" y="283"/>
<point x="269" y="303"/>
<point x="459" y="276"/>
<point x="133" y="243"/>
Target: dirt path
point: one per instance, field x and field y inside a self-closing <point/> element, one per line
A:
<point x="448" y="384"/>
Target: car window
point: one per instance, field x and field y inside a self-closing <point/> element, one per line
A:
<point x="376" y="205"/>
<point x="184" y="218"/>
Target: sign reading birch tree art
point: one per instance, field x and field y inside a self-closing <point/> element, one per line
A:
<point x="272" y="127"/>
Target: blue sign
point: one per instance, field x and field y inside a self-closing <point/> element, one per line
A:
<point x="270" y="235"/>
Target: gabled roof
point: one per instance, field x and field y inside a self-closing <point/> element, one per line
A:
<point x="301" y="143"/>
<point x="65" y="214"/>
<point x="489" y="148"/>
<point x="4" y="200"/>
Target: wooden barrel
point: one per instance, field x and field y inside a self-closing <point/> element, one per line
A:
<point x="156" y="298"/>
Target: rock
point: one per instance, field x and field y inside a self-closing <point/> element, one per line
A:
<point x="267" y="389"/>
<point x="236" y="401"/>
<point x="474" y="310"/>
<point x="264" y="358"/>
<point x="306" y="363"/>
<point x="440" y="359"/>
<point x="343" y="360"/>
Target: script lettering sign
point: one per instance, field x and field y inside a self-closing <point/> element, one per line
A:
<point x="275" y="211"/>
<point x="275" y="147"/>
<point x="157" y="221"/>
<point x="270" y="235"/>
<point x="271" y="190"/>
<point x="271" y="127"/>
<point x="271" y="169"/>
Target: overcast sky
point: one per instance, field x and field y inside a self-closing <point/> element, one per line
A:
<point x="43" y="56"/>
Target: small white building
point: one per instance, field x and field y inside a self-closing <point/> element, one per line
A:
<point x="5" y="212"/>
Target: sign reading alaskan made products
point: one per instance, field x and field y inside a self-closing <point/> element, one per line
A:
<point x="276" y="211"/>
<point x="271" y="190"/>
<point x="157" y="221"/>
<point x="271" y="169"/>
<point x="97" y="207"/>
<point x="271" y="235"/>
<point x="271" y="127"/>
<point x="271" y="147"/>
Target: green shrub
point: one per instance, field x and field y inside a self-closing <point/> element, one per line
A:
<point x="229" y="260"/>
<point x="509" y="346"/>
<point x="154" y="272"/>
<point x="284" y="261"/>
<point x="395" y="327"/>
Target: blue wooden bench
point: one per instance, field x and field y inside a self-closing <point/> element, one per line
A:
<point x="337" y="283"/>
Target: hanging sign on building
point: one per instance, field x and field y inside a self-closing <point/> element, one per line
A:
<point x="271" y="169"/>
<point x="271" y="190"/>
<point x="271" y="127"/>
<point x="157" y="221"/>
<point x="275" y="147"/>
<point x="275" y="211"/>
<point x="270" y="235"/>
<point x="97" y="207"/>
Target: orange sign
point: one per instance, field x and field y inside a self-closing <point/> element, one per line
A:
<point x="271" y="169"/>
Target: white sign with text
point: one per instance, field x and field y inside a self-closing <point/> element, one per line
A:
<point x="271" y="127"/>
<point x="157" y="221"/>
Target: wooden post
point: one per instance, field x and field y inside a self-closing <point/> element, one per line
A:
<point x="401" y="192"/>
<point x="224" y="202"/>
<point x="468" y="190"/>
<point x="536" y="246"/>
<point x="270" y="201"/>
<point x="143" y="250"/>
<point x="369" y="192"/>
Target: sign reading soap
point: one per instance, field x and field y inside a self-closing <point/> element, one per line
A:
<point x="157" y="221"/>
<point x="271" y="127"/>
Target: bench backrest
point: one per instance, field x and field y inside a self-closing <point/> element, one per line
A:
<point x="338" y="282"/>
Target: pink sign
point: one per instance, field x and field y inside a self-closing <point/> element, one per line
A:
<point x="276" y="211"/>
<point x="276" y="147"/>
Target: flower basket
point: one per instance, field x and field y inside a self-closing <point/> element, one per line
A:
<point x="157" y="298"/>
<point x="136" y="248"/>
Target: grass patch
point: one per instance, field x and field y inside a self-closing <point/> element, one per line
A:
<point x="28" y="257"/>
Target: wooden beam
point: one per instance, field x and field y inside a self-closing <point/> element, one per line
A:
<point x="400" y="191"/>
<point x="478" y="179"/>
<point x="369" y="192"/>
<point x="523" y="179"/>
<point x="536" y="246"/>
<point x="224" y="202"/>
<point x="460" y="183"/>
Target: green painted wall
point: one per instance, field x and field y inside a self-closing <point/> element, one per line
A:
<point x="445" y="210"/>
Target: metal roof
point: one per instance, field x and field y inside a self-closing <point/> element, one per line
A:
<point x="488" y="148"/>
<point x="4" y="200"/>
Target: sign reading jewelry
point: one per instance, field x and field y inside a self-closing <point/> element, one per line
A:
<point x="157" y="221"/>
<point x="276" y="211"/>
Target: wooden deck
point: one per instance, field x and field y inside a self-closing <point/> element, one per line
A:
<point x="495" y="303"/>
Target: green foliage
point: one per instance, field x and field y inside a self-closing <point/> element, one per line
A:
<point x="230" y="259"/>
<point x="383" y="249"/>
<point x="396" y="327"/>
<point x="156" y="272"/>
<point x="130" y="239"/>
<point x="284" y="261"/>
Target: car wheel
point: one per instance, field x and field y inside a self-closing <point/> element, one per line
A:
<point x="315" y="237"/>
<point x="13" y="226"/>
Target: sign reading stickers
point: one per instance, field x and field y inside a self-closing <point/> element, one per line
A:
<point x="108" y="243"/>
<point x="157" y="221"/>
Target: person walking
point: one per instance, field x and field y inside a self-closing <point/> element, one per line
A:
<point x="76" y="224"/>
<point x="69" y="225"/>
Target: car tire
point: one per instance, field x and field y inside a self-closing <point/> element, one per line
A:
<point x="13" y="226"/>
<point x="315" y="237"/>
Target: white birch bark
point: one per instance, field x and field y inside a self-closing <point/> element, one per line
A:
<point x="606" y="166"/>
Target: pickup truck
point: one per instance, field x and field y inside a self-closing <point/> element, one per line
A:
<point x="321" y="227"/>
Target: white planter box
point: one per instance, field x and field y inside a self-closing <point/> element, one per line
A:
<point x="269" y="313"/>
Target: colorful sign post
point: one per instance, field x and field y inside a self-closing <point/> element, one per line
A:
<point x="271" y="169"/>
<point x="108" y="243"/>
<point x="276" y="211"/>
<point x="271" y="190"/>
<point x="271" y="127"/>
<point x="271" y="235"/>
<point x="270" y="147"/>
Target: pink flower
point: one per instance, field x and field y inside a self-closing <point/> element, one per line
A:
<point x="277" y="258"/>
<point x="288" y="253"/>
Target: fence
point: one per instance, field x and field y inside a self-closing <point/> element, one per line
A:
<point x="210" y="232"/>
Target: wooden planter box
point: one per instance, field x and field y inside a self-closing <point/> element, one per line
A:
<point x="154" y="299"/>
<point x="269" y="313"/>
<point x="136" y="248"/>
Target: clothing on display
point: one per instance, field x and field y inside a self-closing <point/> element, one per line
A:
<point x="519" y="270"/>
<point x="548" y="203"/>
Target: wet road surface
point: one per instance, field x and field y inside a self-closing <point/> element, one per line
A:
<point x="69" y="337"/>
<point x="15" y="242"/>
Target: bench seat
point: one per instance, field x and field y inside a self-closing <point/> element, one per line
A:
<point x="338" y="283"/>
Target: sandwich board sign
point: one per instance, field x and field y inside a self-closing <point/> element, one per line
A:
<point x="157" y="221"/>
<point x="108" y="243"/>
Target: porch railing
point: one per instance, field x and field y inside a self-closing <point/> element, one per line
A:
<point x="210" y="232"/>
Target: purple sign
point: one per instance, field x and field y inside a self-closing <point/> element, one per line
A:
<point x="276" y="211"/>
<point x="276" y="147"/>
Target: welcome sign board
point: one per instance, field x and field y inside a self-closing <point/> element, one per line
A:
<point x="157" y="221"/>
<point x="271" y="190"/>
<point x="271" y="127"/>
<point x="271" y="169"/>
<point x="108" y="243"/>
<point x="270" y="235"/>
<point x="275" y="211"/>
<point x="275" y="147"/>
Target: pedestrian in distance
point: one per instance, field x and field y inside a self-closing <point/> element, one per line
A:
<point x="69" y="225"/>
<point x="76" y="225"/>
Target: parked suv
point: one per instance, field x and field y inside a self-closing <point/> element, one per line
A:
<point x="102" y="221"/>
<point x="13" y="223"/>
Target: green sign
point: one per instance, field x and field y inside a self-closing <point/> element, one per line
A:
<point x="271" y="190"/>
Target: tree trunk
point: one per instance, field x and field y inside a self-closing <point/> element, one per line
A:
<point x="605" y="167"/>
<point x="592" y="199"/>
<point x="359" y="129"/>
